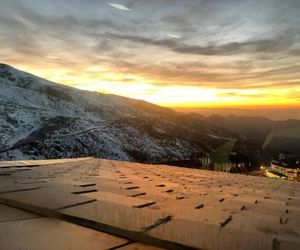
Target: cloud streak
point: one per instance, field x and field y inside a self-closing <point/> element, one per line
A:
<point x="265" y="46"/>
<point x="119" y="7"/>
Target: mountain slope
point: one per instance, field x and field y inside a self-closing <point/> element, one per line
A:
<point x="41" y="119"/>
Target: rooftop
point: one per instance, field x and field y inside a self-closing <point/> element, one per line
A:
<point x="103" y="204"/>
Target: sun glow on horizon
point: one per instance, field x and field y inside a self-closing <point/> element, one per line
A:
<point x="177" y="96"/>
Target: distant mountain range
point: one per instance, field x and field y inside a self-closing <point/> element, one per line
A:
<point x="270" y="136"/>
<point x="250" y="128"/>
<point x="41" y="119"/>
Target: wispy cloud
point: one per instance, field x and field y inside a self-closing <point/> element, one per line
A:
<point x="119" y="6"/>
<point x="274" y="45"/>
<point x="174" y="35"/>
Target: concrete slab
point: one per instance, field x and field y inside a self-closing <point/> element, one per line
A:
<point x="44" y="198"/>
<point x="114" y="216"/>
<point x="118" y="198"/>
<point x="53" y="234"/>
<point x="139" y="246"/>
<point x="12" y="214"/>
<point x="26" y="163"/>
<point x="207" y="236"/>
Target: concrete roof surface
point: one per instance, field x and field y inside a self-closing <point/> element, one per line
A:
<point x="91" y="203"/>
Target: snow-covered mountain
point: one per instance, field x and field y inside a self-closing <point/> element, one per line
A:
<point x="42" y="119"/>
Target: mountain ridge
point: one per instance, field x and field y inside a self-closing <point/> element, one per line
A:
<point x="42" y="119"/>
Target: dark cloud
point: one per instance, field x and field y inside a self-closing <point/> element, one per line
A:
<point x="277" y="44"/>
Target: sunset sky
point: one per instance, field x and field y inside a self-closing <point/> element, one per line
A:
<point x="189" y="53"/>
